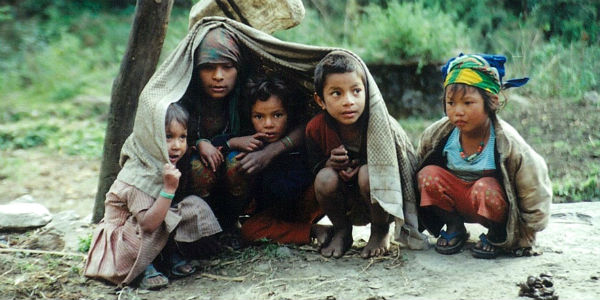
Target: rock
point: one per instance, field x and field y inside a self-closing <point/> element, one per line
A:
<point x="24" y="199"/>
<point x="283" y="251"/>
<point x="19" y="216"/>
<point x="265" y="15"/>
<point x="70" y="228"/>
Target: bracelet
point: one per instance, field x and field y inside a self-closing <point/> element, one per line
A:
<point x="166" y="195"/>
<point x="287" y="142"/>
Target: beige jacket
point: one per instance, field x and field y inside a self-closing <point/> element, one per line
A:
<point x="524" y="177"/>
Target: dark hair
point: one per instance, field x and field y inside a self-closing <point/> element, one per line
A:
<point x="336" y="63"/>
<point x="262" y="88"/>
<point x="178" y="113"/>
<point x="490" y="106"/>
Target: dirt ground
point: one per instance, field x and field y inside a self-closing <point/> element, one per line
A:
<point x="567" y="247"/>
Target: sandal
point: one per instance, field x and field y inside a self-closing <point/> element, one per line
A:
<point x="150" y="273"/>
<point x="479" y="252"/>
<point x="462" y="237"/>
<point x="177" y="263"/>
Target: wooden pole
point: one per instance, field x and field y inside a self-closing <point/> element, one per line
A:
<point x="137" y="66"/>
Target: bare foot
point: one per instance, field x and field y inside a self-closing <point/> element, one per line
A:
<point x="340" y="242"/>
<point x="379" y="242"/>
<point x="186" y="269"/>
<point x="322" y="233"/>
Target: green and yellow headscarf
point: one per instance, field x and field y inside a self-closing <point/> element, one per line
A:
<point x="484" y="71"/>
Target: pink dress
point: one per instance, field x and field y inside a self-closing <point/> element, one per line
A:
<point x="120" y="250"/>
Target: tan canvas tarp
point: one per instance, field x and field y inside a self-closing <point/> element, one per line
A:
<point x="265" y="15"/>
<point x="144" y="152"/>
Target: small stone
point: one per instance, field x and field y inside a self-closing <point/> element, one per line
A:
<point x="525" y="287"/>
<point x="530" y="280"/>
<point x="591" y="97"/>
<point x="547" y="291"/>
<point x="547" y="282"/>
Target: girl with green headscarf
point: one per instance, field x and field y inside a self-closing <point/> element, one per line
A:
<point x="476" y="168"/>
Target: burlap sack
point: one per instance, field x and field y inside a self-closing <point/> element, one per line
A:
<point x="265" y="15"/>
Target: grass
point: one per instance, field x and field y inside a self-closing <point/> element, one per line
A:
<point x="84" y="243"/>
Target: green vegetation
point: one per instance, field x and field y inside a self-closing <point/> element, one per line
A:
<point x="59" y="59"/>
<point x="402" y="32"/>
<point x="84" y="243"/>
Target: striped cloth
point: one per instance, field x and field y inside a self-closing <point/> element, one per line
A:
<point x="120" y="250"/>
<point x="484" y="71"/>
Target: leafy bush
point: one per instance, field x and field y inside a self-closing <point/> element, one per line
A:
<point x="569" y="20"/>
<point x="399" y="33"/>
<point x="312" y="31"/>
<point x="407" y="32"/>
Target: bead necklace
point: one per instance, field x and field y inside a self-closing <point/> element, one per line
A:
<point x="473" y="156"/>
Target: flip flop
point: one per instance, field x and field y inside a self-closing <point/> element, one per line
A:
<point x="150" y="273"/>
<point x="480" y="253"/>
<point x="462" y="237"/>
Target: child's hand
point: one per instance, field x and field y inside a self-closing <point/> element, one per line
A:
<point x="248" y="143"/>
<point x="210" y="156"/>
<point x="254" y="162"/>
<point x="351" y="171"/>
<point x="171" y="177"/>
<point x="339" y="159"/>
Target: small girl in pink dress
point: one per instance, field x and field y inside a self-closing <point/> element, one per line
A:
<point x="136" y="227"/>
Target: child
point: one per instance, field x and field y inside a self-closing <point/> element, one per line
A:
<point x="137" y="227"/>
<point x="215" y="125"/>
<point x="337" y="145"/>
<point x="476" y="168"/>
<point x="218" y="176"/>
<point x="285" y="207"/>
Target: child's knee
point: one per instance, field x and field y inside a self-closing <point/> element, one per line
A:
<point x="327" y="181"/>
<point x="231" y="163"/>
<point x="487" y="193"/>
<point x="237" y="182"/>
<point x="429" y="179"/>
<point x="203" y="179"/>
